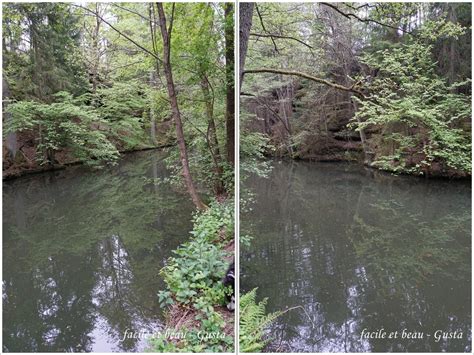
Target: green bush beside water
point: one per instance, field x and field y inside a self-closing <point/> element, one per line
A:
<point x="193" y="280"/>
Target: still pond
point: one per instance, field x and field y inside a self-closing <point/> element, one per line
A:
<point x="81" y="254"/>
<point x="359" y="251"/>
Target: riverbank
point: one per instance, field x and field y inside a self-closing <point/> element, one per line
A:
<point x="27" y="165"/>
<point x="434" y="171"/>
<point x="434" y="174"/>
<point x="194" y="294"/>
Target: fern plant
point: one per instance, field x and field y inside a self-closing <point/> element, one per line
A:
<point x="253" y="322"/>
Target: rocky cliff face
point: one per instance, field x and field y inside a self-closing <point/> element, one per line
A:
<point x="303" y="126"/>
<point x="312" y="123"/>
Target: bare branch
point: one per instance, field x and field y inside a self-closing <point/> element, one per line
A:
<point x="119" y="32"/>
<point x="280" y="37"/>
<point x="366" y="20"/>
<point x="309" y="77"/>
<point x="132" y="12"/>
<point x="263" y="27"/>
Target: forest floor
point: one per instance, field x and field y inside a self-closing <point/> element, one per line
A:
<point x="196" y="304"/>
<point x="185" y="317"/>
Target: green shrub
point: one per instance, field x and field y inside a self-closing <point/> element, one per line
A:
<point x="253" y="147"/>
<point x="217" y="221"/>
<point x="197" y="268"/>
<point x="194" y="279"/>
<point x="66" y="123"/>
<point x="430" y="118"/>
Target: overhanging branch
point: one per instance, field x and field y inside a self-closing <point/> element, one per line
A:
<point x="352" y="89"/>
<point x="263" y="27"/>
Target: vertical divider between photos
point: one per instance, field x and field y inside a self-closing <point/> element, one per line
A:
<point x="472" y="196"/>
<point x="236" y="175"/>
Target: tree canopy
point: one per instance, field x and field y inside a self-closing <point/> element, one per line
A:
<point x="90" y="80"/>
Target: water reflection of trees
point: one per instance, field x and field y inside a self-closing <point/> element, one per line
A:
<point x="116" y="298"/>
<point x="38" y="302"/>
<point x="359" y="251"/>
<point x="82" y="251"/>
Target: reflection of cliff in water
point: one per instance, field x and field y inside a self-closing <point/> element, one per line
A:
<point x="359" y="250"/>
<point x="82" y="251"/>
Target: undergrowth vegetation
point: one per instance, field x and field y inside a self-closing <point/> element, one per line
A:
<point x="194" y="285"/>
<point x="253" y="322"/>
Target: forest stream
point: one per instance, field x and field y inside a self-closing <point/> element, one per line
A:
<point x="358" y="249"/>
<point x="82" y="252"/>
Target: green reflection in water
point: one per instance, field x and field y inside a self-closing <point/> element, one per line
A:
<point x="359" y="250"/>
<point x="81" y="255"/>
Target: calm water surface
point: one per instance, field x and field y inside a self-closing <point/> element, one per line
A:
<point x="81" y="255"/>
<point x="359" y="250"/>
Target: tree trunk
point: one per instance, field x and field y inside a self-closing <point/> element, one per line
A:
<point x="245" y="19"/>
<point x="211" y="138"/>
<point x="175" y="107"/>
<point x="11" y="139"/>
<point x="363" y="137"/>
<point x="152" y="114"/>
<point x="285" y="98"/>
<point x="95" y="44"/>
<point x="229" y="68"/>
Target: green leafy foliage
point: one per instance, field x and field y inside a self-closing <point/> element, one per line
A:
<point x="122" y="106"/>
<point x="216" y="224"/>
<point x="253" y="322"/>
<point x="66" y="123"/>
<point x="253" y="147"/>
<point x="423" y="115"/>
<point x="197" y="268"/>
<point x="194" y="279"/>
